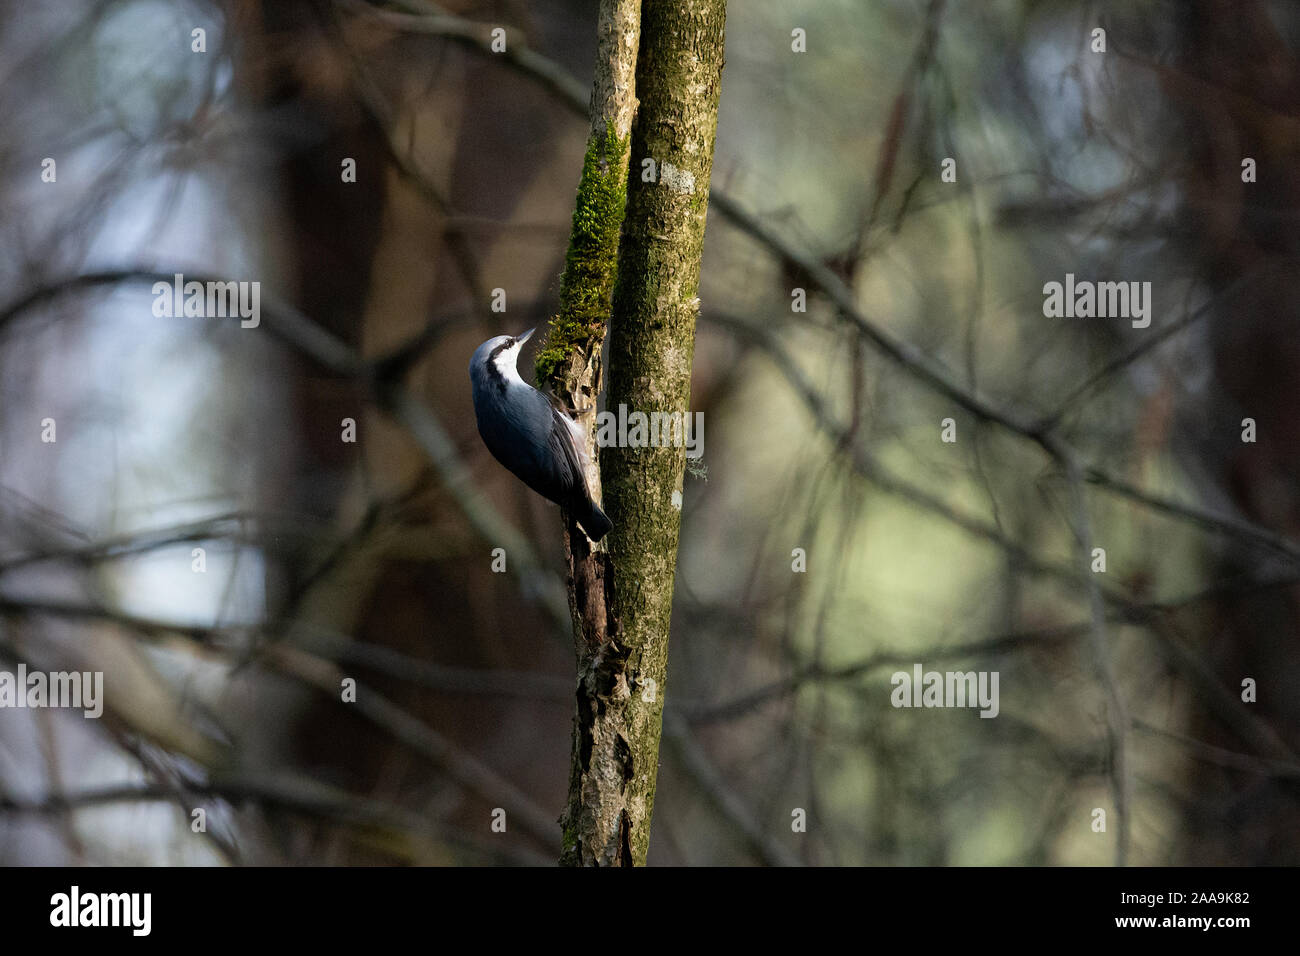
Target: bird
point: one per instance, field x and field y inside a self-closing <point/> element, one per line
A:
<point x="531" y="434"/>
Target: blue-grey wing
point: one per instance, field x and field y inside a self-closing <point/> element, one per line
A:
<point x="532" y="436"/>
<point x="568" y="454"/>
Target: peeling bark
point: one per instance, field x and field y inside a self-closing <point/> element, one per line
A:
<point x="569" y="362"/>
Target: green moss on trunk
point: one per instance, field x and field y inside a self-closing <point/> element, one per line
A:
<point x="587" y="288"/>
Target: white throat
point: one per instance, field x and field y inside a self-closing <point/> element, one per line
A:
<point x="506" y="363"/>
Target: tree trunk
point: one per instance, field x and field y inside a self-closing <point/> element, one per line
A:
<point x="622" y="596"/>
<point x="569" y="362"/>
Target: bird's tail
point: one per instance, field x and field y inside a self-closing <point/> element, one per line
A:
<point x="593" y="521"/>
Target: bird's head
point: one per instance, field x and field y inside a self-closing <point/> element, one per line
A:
<point x="500" y="352"/>
<point x="497" y="358"/>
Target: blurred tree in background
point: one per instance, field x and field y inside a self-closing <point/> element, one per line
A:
<point x="857" y="291"/>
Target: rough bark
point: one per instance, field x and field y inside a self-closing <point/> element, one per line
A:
<point x="623" y="608"/>
<point x="569" y="362"/>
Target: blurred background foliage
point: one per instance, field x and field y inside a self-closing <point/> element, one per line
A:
<point x="372" y="560"/>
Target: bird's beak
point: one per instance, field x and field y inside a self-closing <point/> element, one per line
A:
<point x="526" y="336"/>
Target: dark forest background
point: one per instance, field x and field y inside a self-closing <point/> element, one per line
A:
<point x="372" y="560"/>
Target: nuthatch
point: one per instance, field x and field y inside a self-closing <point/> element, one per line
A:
<point x="530" y="434"/>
